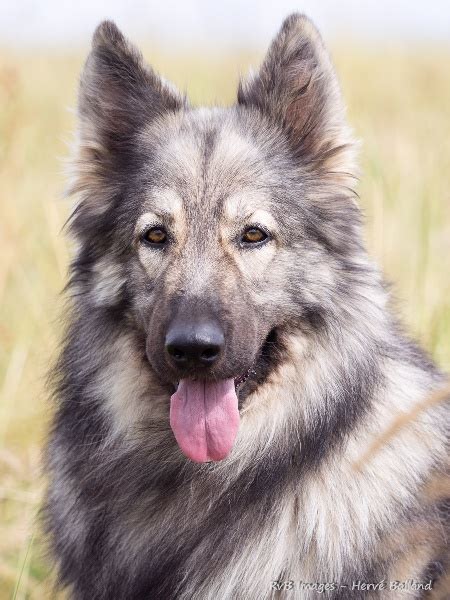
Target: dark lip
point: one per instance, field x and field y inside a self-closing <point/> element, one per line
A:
<point x="238" y="381"/>
<point x="252" y="371"/>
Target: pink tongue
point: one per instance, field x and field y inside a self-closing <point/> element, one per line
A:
<point x="204" y="417"/>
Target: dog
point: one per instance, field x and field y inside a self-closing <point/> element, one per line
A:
<point x="231" y="353"/>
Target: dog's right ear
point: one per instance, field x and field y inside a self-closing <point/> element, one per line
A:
<point x="297" y="88"/>
<point x="119" y="95"/>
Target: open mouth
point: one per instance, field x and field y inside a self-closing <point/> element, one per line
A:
<point x="204" y="415"/>
<point x="238" y="381"/>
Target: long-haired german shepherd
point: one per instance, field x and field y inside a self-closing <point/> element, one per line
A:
<point x="230" y="354"/>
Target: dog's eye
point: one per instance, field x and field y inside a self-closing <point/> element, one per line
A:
<point x="155" y="236"/>
<point x="253" y="236"/>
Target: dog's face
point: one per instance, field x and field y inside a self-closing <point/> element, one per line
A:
<point x="204" y="239"/>
<point x="215" y="231"/>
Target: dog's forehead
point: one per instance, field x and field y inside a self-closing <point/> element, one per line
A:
<point x="204" y="158"/>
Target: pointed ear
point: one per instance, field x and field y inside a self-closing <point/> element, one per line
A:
<point x="118" y="95"/>
<point x="296" y="87"/>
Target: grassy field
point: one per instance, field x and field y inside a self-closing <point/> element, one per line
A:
<point x="399" y="106"/>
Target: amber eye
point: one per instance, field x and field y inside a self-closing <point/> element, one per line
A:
<point x="155" y="236"/>
<point x="253" y="236"/>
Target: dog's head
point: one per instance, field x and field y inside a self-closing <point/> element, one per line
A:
<point x="213" y="231"/>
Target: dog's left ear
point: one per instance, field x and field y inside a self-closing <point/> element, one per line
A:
<point x="119" y="96"/>
<point x="296" y="87"/>
<point x="119" y="93"/>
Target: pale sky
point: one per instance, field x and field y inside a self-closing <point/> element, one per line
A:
<point x="179" y="23"/>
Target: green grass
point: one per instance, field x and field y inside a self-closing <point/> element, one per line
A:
<point x="398" y="104"/>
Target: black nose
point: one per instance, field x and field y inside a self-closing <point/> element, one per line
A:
<point x="194" y="343"/>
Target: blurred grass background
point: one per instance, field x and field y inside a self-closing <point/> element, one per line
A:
<point x="399" y="106"/>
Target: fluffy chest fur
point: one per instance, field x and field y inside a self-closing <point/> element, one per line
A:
<point x="290" y="504"/>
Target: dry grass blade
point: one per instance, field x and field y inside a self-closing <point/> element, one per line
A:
<point x="402" y="421"/>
